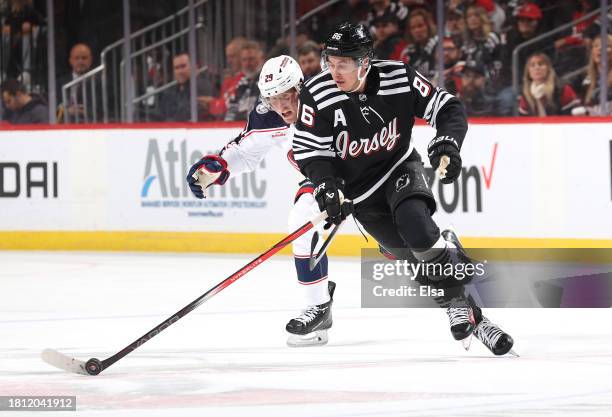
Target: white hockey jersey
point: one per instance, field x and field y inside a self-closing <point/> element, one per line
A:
<point x="264" y="130"/>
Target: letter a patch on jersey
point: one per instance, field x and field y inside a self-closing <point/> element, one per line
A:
<point x="339" y="118"/>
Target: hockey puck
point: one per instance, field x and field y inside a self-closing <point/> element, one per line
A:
<point x="93" y="366"/>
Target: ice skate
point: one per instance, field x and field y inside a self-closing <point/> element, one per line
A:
<point x="310" y="328"/>
<point x="494" y="338"/>
<point x="463" y="320"/>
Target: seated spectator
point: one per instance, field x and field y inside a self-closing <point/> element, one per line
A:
<point x="453" y="65"/>
<point x="482" y="44"/>
<point x="20" y="107"/>
<point x="389" y="43"/>
<point x="543" y="94"/>
<point x="592" y="84"/>
<point x="309" y="58"/>
<point x="233" y="74"/>
<point x="572" y="49"/>
<point x="527" y="26"/>
<point x="472" y="91"/>
<point x="380" y="7"/>
<point x="247" y="92"/>
<point x="174" y="103"/>
<point x="422" y="41"/>
<point x="455" y="23"/>
<point x="497" y="15"/>
<point x="80" y="61"/>
<point x="23" y="54"/>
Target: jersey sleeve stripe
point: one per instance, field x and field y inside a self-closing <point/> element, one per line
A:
<point x="307" y="135"/>
<point x="435" y="105"/>
<point x="427" y="113"/>
<point x="388" y="63"/>
<point x="430" y="117"/>
<point x="310" y="145"/>
<point x="393" y="73"/>
<point x="439" y="107"/>
<point x="324" y="93"/>
<point x="332" y="101"/>
<point x="394" y="91"/>
<point x="385" y="83"/>
<point x="299" y="155"/>
<point x="316" y="77"/>
<point x="320" y="85"/>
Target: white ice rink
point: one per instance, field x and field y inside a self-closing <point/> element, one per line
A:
<point x="229" y="358"/>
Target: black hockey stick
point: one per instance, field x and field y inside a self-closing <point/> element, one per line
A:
<point x="314" y="260"/>
<point x="94" y="366"/>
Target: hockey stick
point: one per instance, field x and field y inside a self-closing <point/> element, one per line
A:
<point x="94" y="366"/>
<point x="314" y="260"/>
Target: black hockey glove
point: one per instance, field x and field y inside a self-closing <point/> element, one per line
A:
<point x="445" y="145"/>
<point x="329" y="196"/>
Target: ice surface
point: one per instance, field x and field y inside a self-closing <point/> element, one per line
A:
<point x="229" y="358"/>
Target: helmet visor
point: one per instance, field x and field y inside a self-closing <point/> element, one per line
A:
<point x="339" y="65"/>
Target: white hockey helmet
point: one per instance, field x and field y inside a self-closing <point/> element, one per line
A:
<point x="279" y="74"/>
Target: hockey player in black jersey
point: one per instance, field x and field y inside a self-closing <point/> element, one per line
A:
<point x="353" y="140"/>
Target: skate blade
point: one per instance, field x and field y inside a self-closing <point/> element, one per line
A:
<point x="316" y="338"/>
<point x="513" y="353"/>
<point x="467" y="342"/>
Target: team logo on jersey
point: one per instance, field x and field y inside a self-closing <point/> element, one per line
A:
<point x="402" y="182"/>
<point x="387" y="138"/>
<point x="262" y="108"/>
<point x="363" y="97"/>
<point x="365" y="112"/>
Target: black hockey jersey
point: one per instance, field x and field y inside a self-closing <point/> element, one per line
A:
<point x="363" y="137"/>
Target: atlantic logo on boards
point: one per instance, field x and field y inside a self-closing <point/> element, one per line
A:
<point x="28" y="179"/>
<point x="466" y="194"/>
<point x="164" y="185"/>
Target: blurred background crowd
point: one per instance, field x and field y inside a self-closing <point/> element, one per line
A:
<point x="68" y="61"/>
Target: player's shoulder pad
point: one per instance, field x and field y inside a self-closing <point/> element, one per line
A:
<point x="395" y="77"/>
<point x="389" y="68"/>
<point x="322" y="90"/>
<point x="263" y="117"/>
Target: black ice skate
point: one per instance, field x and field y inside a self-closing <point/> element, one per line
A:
<point x="310" y="328"/>
<point x="463" y="315"/>
<point x="494" y="338"/>
<point x="463" y="320"/>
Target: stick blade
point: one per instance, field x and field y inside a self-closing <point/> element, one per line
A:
<point x="63" y="362"/>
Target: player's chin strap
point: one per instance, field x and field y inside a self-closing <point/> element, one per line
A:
<point x="361" y="79"/>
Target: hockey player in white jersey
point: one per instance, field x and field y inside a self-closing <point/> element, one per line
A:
<point x="270" y="124"/>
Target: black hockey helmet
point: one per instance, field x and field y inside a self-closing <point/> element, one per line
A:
<point x="350" y="40"/>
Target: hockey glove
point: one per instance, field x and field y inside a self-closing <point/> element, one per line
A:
<point x="329" y="196"/>
<point x="445" y="145"/>
<point x="211" y="169"/>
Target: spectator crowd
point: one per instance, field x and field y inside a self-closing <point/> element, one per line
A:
<point x="557" y="75"/>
